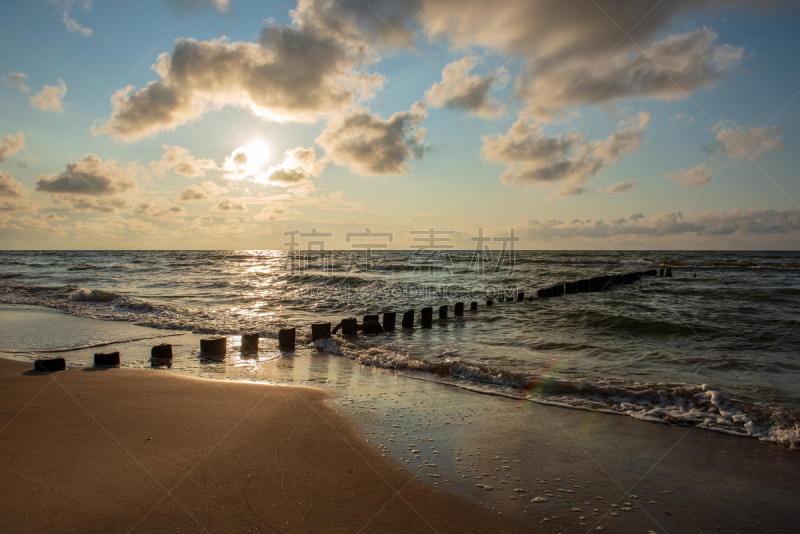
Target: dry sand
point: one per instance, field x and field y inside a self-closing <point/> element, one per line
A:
<point x="120" y="450"/>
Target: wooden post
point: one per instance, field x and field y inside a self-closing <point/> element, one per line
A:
<point x="426" y="317"/>
<point x="458" y="309"/>
<point x="250" y="342"/>
<point x="473" y="306"/>
<point x="350" y="326"/>
<point x="443" y="312"/>
<point x="372" y="317"/>
<point x="408" y="319"/>
<point x="389" y="319"/>
<point x="106" y="360"/>
<point x="320" y="330"/>
<point x="215" y="345"/>
<point x="520" y="296"/>
<point x="50" y="365"/>
<point x="489" y="302"/>
<point x="286" y="338"/>
<point x="161" y="352"/>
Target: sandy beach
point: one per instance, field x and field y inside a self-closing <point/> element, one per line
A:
<point x="250" y="447"/>
<point x="133" y="451"/>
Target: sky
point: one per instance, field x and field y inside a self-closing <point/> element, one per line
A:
<point x="233" y="124"/>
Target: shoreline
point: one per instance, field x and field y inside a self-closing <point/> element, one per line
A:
<point x="588" y="469"/>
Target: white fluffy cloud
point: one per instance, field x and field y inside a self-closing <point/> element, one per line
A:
<point x="298" y="165"/>
<point x="180" y="161"/>
<point x="11" y="144"/>
<point x="370" y="145"/>
<point x="50" y="98"/>
<point x="295" y="72"/>
<point x="459" y="90"/>
<point x="697" y="175"/>
<point x="747" y="143"/>
<point x="534" y="158"/>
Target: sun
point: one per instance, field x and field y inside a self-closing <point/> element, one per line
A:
<point x="258" y="153"/>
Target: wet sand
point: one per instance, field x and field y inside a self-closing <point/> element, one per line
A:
<point x="548" y="469"/>
<point x="118" y="450"/>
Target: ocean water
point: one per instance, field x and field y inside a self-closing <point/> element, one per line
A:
<point x="716" y="346"/>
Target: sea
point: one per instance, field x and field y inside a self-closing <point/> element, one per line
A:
<point x="715" y="346"/>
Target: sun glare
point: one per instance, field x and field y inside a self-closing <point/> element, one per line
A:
<point x="258" y="154"/>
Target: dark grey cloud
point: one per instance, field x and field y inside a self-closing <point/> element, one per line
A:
<point x="370" y="145"/>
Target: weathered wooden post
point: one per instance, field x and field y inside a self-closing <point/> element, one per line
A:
<point x="161" y="352"/>
<point x="408" y="319"/>
<point x="458" y="309"/>
<point x="286" y="338"/>
<point x="106" y="360"/>
<point x="389" y="319"/>
<point x="426" y="317"/>
<point x="320" y="330"/>
<point x="50" y="365"/>
<point x="372" y="317"/>
<point x="250" y="342"/>
<point x="473" y="306"/>
<point x="215" y="345"/>
<point x="350" y="326"/>
<point x="520" y="296"/>
<point x="443" y="312"/>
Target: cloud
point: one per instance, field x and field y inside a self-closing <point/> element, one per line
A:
<point x="755" y="221"/>
<point x="226" y="205"/>
<point x="17" y="81"/>
<point x="192" y="193"/>
<point x="11" y="144"/>
<point x="682" y="120"/>
<point x="751" y="143"/>
<point x="90" y="176"/>
<point x="178" y="160"/>
<point x="158" y="208"/>
<point x="621" y="187"/>
<point x="275" y="212"/>
<point x="50" y="98"/>
<point x="64" y="8"/>
<point x="533" y="158"/>
<point x="370" y="145"/>
<point x="13" y="196"/>
<point x="294" y="73"/>
<point x="459" y="90"/>
<point x="695" y="176"/>
<point x="298" y="165"/>
<point x="668" y="70"/>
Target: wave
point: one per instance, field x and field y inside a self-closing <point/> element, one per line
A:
<point x="680" y="404"/>
<point x="84" y="267"/>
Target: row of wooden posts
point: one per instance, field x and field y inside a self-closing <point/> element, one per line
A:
<point x="218" y="346"/>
